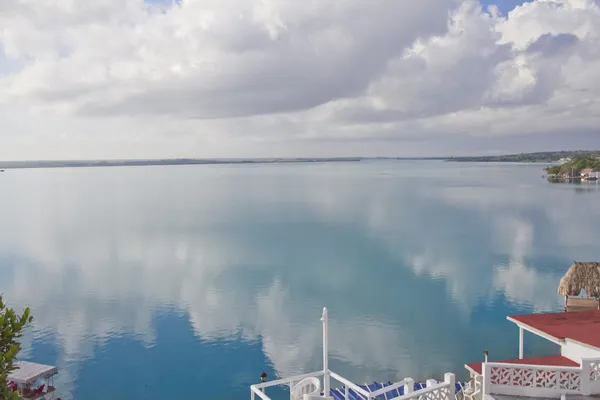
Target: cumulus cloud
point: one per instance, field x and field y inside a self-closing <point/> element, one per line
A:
<point x="284" y="77"/>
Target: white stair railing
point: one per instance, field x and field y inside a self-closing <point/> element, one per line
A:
<point x="471" y="390"/>
<point x="310" y="386"/>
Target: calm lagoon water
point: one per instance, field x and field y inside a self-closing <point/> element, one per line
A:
<point x="159" y="282"/>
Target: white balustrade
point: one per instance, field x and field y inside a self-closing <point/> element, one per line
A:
<point x="541" y="380"/>
<point x="434" y="391"/>
<point x="259" y="389"/>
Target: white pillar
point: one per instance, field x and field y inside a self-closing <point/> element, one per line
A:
<point x="409" y="386"/>
<point x="326" y="382"/>
<point x="450" y="379"/>
<point x="485" y="374"/>
<point x="585" y="377"/>
<point x="520" y="343"/>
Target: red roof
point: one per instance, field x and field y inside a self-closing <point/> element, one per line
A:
<point x="582" y="326"/>
<point x="557" y="361"/>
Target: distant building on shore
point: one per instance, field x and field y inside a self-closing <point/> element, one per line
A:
<point x="564" y="160"/>
<point x="590" y="174"/>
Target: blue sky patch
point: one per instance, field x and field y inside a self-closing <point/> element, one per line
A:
<point x="504" y="5"/>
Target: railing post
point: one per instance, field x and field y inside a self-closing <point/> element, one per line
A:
<point x="520" y="343"/>
<point x="291" y="387"/>
<point x="326" y="379"/>
<point x="431" y="382"/>
<point x="263" y="379"/>
<point x="346" y="394"/>
<point x="450" y="379"/>
<point x="485" y="373"/>
<point x="585" y="380"/>
<point x="409" y="386"/>
<point x="251" y="394"/>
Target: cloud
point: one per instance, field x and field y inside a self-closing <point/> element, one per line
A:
<point x="213" y="59"/>
<point x="238" y="74"/>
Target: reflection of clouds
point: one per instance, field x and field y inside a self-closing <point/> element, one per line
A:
<point x="521" y="284"/>
<point x="93" y="273"/>
<point x="566" y="228"/>
<point x="572" y="215"/>
<point x="97" y="253"/>
<point x="462" y="282"/>
<point x="527" y="287"/>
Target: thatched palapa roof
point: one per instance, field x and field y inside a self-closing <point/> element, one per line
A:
<point x="581" y="275"/>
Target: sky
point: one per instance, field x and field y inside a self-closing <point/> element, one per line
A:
<point x="120" y="79"/>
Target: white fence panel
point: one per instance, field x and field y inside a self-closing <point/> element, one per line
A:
<point x="531" y="380"/>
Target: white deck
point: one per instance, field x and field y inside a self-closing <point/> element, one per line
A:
<point x="29" y="372"/>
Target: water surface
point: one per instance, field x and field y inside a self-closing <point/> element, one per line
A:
<point x="159" y="282"/>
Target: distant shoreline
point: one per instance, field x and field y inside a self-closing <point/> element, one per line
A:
<point x="194" y="161"/>
<point x="529" y="158"/>
<point x="525" y="158"/>
<point x="141" y="163"/>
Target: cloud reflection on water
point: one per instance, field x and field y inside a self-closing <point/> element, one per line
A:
<point x="258" y="251"/>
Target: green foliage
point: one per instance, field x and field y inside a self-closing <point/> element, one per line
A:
<point x="547" y="156"/>
<point x="575" y="166"/>
<point x="11" y="329"/>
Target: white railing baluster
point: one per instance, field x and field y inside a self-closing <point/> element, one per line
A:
<point x="409" y="386"/>
<point x="368" y="390"/>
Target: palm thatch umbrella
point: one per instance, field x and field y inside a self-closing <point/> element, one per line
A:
<point x="581" y="275"/>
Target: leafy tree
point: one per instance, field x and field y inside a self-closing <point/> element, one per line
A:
<point x="576" y="165"/>
<point x="11" y="329"/>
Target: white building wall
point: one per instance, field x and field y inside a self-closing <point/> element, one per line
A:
<point x="575" y="351"/>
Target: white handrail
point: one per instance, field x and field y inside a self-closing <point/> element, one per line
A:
<point x="287" y="380"/>
<point x="418" y="393"/>
<point x="389" y="388"/>
<point x="260" y="394"/>
<point x="349" y="384"/>
<point x="534" y="366"/>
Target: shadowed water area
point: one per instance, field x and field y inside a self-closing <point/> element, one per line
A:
<point x="161" y="282"/>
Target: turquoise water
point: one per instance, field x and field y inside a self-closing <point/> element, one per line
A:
<point x="162" y="282"/>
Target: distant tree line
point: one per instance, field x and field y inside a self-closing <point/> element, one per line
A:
<point x="575" y="166"/>
<point x="540" y="157"/>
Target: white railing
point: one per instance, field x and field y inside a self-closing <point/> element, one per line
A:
<point x="471" y="390"/>
<point x="434" y="390"/>
<point x="349" y="385"/>
<point x="259" y="389"/>
<point x="541" y="380"/>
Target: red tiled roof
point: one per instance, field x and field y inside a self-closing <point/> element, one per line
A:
<point x="557" y="361"/>
<point x="582" y="326"/>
